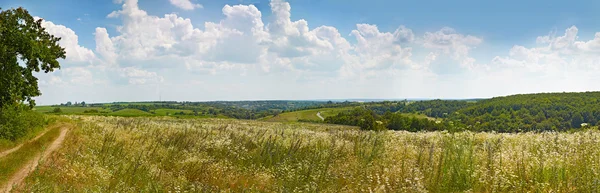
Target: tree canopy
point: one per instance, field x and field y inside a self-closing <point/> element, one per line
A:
<point x="25" y="47"/>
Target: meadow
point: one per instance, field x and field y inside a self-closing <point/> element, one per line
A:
<point x="161" y="154"/>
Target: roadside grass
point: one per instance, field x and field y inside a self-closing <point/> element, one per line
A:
<point x="16" y="160"/>
<point x="162" y="154"/>
<point x="6" y="144"/>
<point x="47" y="120"/>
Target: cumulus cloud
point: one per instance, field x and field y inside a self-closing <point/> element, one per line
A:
<point x="139" y="76"/>
<point x="448" y="41"/>
<point x="185" y="4"/>
<point x="104" y="46"/>
<point x="561" y="53"/>
<point x="244" y="46"/>
<point x="69" y="41"/>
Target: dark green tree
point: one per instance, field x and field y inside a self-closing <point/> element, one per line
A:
<point x="24" y="40"/>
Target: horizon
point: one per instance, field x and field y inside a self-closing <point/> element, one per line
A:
<point x="197" y="50"/>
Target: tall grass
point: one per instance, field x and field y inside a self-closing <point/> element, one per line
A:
<point x="112" y="154"/>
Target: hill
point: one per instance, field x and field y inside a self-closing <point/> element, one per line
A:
<point x="532" y="112"/>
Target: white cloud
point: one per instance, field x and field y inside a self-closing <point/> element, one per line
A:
<point x="104" y="46"/>
<point x="448" y="41"/>
<point x="70" y="41"/>
<point x="185" y="4"/>
<point x="279" y="57"/>
<point x="139" y="76"/>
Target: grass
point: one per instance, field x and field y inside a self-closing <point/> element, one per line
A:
<point x="69" y="110"/>
<point x="165" y="112"/>
<point x="310" y="114"/>
<point x="14" y="161"/>
<point x="130" y="113"/>
<point x="7" y="144"/>
<point x="162" y="154"/>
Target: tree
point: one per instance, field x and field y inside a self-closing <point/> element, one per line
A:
<point x="82" y="103"/>
<point x="69" y="103"/>
<point x="23" y="39"/>
<point x="577" y="120"/>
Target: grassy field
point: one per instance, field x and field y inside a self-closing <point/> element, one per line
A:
<point x="161" y="154"/>
<point x="310" y="114"/>
<point x="69" y="110"/>
<point x="165" y="112"/>
<point x="130" y="113"/>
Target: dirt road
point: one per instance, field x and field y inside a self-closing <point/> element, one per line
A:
<point x="6" y="152"/>
<point x="319" y="115"/>
<point x="32" y="164"/>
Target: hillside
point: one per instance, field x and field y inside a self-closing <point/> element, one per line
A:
<point x="532" y="112"/>
<point x="515" y="113"/>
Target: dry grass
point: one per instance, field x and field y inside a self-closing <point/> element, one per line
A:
<point x="115" y="154"/>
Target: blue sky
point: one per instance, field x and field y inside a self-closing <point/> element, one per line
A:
<point x="198" y="50"/>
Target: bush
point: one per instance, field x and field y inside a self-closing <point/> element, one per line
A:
<point x="57" y="110"/>
<point x="91" y="111"/>
<point x="17" y="121"/>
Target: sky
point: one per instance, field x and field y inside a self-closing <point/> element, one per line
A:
<point x="200" y="50"/>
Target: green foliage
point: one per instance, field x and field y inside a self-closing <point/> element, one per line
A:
<point x="397" y="121"/>
<point x="531" y="112"/>
<point x="57" y="110"/>
<point x="18" y="121"/>
<point x="367" y="119"/>
<point x="361" y="117"/>
<point x="432" y="108"/>
<point x="24" y="39"/>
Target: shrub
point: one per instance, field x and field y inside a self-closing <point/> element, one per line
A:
<point x="57" y="110"/>
<point x="17" y="121"/>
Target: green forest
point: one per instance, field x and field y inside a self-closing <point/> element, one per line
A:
<point x="516" y="113"/>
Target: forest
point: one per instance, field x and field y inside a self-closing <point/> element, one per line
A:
<point x="516" y="113"/>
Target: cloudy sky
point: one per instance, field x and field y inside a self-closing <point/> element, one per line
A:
<point x="199" y="50"/>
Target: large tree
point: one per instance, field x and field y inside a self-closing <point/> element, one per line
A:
<point x="25" y="47"/>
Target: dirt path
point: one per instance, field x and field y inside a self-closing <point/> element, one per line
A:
<point x="319" y="115"/>
<point x="18" y="177"/>
<point x="6" y="152"/>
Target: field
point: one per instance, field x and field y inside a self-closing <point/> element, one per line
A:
<point x="130" y="113"/>
<point x="70" y="110"/>
<point x="310" y="114"/>
<point x="165" y="112"/>
<point x="161" y="154"/>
